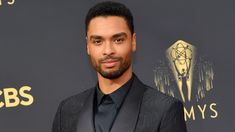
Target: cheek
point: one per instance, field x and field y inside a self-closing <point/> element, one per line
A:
<point x="126" y="54"/>
<point x="94" y="57"/>
<point x="94" y="61"/>
<point x="94" y="52"/>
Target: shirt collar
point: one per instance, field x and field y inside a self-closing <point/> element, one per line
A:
<point x="118" y="95"/>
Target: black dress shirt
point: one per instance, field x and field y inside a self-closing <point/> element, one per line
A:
<point x="106" y="107"/>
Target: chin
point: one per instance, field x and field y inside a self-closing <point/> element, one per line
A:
<point x="111" y="74"/>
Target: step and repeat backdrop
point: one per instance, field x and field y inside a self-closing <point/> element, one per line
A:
<point x="181" y="44"/>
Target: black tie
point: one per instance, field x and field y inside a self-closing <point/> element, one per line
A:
<point x="105" y="114"/>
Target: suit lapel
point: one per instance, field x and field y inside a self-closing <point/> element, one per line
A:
<point x="127" y="117"/>
<point x="85" y="119"/>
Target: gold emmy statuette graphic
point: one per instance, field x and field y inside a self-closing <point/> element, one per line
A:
<point x="181" y="56"/>
<point x="188" y="76"/>
<point x="183" y="73"/>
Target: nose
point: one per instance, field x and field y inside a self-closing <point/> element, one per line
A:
<point x="108" y="49"/>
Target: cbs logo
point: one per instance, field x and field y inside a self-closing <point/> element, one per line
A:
<point x="13" y="97"/>
<point x="9" y="2"/>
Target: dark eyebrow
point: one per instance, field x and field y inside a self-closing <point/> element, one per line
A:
<point x="95" y="37"/>
<point x="114" y="36"/>
<point x="119" y="35"/>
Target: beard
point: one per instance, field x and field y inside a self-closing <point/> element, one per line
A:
<point x="112" y="73"/>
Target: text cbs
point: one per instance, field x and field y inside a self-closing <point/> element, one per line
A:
<point x="11" y="97"/>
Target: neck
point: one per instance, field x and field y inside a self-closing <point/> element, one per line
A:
<point x="108" y="86"/>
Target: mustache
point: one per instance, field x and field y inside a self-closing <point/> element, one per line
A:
<point x="108" y="58"/>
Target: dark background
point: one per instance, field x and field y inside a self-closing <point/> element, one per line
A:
<point x="42" y="45"/>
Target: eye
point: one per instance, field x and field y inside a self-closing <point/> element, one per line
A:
<point x="97" y="41"/>
<point x="119" y="40"/>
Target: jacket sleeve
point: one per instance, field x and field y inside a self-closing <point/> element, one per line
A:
<point x="56" y="126"/>
<point x="173" y="119"/>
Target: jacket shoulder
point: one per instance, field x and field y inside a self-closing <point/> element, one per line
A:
<point x="162" y="112"/>
<point x="75" y="102"/>
<point x="158" y="101"/>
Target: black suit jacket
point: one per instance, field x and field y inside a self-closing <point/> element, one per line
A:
<point x="143" y="110"/>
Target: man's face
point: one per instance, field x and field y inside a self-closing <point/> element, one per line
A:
<point x="110" y="45"/>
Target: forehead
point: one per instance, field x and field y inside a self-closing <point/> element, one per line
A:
<point x="107" y="25"/>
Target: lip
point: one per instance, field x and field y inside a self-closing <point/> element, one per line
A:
<point x="110" y="63"/>
<point x="110" y="60"/>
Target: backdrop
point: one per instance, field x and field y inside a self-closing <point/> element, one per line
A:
<point x="185" y="48"/>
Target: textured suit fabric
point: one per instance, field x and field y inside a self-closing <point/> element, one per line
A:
<point x="144" y="110"/>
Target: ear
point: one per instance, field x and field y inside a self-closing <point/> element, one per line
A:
<point x="134" y="42"/>
<point x="87" y="46"/>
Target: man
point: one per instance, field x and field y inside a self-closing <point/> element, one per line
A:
<point x="119" y="102"/>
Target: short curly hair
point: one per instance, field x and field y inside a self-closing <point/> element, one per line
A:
<point x="110" y="8"/>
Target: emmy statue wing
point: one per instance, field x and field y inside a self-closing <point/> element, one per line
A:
<point x="205" y="78"/>
<point x="163" y="78"/>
